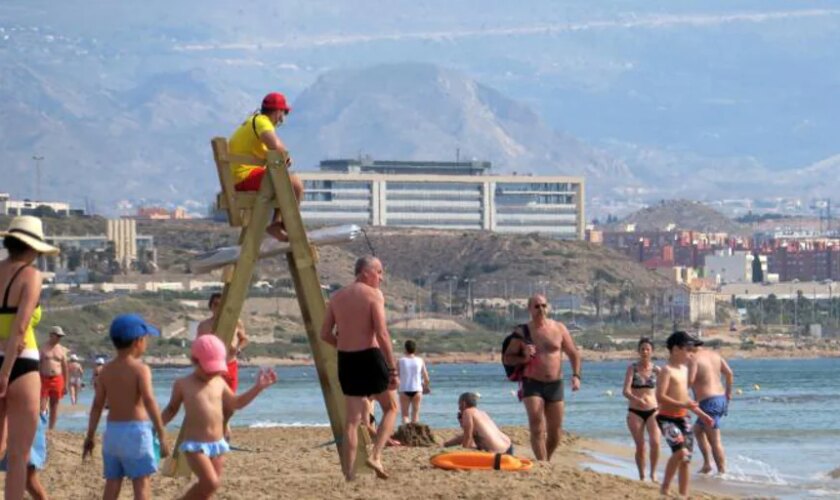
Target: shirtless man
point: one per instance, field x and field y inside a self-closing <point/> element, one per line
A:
<point x="55" y="374"/>
<point x="674" y="405"/>
<point x="366" y="364"/>
<point x="541" y="350"/>
<point x="76" y="373"/>
<point x="479" y="429"/>
<point x="704" y="375"/>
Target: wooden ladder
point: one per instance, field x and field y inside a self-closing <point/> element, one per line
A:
<point x="252" y="212"/>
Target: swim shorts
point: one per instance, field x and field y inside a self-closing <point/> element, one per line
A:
<point x="677" y="432"/>
<point x="128" y="450"/>
<point x="52" y="387"/>
<point x="212" y="449"/>
<point x="232" y="375"/>
<point x="252" y="182"/>
<point x="715" y="407"/>
<point x="550" y="392"/>
<point x="362" y="373"/>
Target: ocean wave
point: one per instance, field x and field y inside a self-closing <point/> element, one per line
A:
<point x="270" y="425"/>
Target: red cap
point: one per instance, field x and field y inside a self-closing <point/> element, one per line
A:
<point x="274" y="101"/>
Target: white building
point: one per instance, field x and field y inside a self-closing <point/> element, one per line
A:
<point x="552" y="205"/>
<point x="8" y="206"/>
<point x="727" y="266"/>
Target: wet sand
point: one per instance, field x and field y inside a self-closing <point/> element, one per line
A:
<point x="294" y="463"/>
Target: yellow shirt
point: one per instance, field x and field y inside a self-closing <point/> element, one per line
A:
<point x="246" y="141"/>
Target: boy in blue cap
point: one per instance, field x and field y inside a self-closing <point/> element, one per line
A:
<point x="125" y="385"/>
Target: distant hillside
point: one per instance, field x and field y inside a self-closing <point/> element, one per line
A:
<point x="683" y="214"/>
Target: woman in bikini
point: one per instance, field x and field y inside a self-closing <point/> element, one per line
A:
<point x="640" y="391"/>
<point x="20" y="312"/>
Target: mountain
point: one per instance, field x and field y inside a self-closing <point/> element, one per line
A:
<point x="425" y="112"/>
<point x="683" y="214"/>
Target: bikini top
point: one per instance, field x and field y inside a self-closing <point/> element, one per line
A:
<point x="641" y="382"/>
<point x="7" y="317"/>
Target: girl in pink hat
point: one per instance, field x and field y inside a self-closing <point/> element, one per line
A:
<point x="205" y="397"/>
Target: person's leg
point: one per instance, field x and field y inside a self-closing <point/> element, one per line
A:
<point x="536" y="424"/>
<point x="142" y="488"/>
<point x="554" y="426"/>
<point x="637" y="431"/>
<point x="205" y="472"/>
<point x="53" y="409"/>
<point x="685" y="474"/>
<point x="22" y="418"/>
<point x="388" y="402"/>
<point x="112" y="489"/>
<point x="716" y="444"/>
<point x="357" y="408"/>
<point x="33" y="484"/>
<point x="654" y="439"/>
<point x="671" y="469"/>
<point x="297" y="186"/>
<point x="705" y="448"/>
<point x="404" y="407"/>
<point x="415" y="407"/>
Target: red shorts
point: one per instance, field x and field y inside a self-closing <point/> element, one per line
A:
<point x="252" y="182"/>
<point x="232" y="375"/>
<point x="52" y="387"/>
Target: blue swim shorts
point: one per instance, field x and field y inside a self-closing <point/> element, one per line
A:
<point x="38" y="451"/>
<point x="212" y="449"/>
<point x="716" y="407"/>
<point x="128" y="450"/>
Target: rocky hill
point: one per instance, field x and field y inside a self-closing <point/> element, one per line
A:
<point x="683" y="214"/>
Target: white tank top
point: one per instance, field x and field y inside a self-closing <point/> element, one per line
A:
<point x="411" y="374"/>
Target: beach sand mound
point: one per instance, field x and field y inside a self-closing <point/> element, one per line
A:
<point x="415" y="435"/>
<point x="293" y="463"/>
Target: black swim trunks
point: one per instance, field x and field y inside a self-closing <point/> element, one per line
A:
<point x="550" y="392"/>
<point x="362" y="373"/>
<point x="677" y="433"/>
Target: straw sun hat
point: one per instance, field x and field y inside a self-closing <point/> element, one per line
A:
<point x="30" y="231"/>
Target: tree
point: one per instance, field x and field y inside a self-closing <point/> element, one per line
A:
<point x="757" y="272"/>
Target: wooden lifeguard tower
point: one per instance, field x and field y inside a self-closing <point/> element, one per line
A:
<point x="251" y="211"/>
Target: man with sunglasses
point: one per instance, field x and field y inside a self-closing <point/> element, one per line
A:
<point x="541" y="353"/>
<point x="255" y="136"/>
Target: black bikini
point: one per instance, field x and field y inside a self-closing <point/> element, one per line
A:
<point x="641" y="382"/>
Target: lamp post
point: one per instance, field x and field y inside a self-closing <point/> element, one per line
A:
<point x="470" y="309"/>
<point x="38" y="160"/>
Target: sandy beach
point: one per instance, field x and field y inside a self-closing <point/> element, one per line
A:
<point x="295" y="463"/>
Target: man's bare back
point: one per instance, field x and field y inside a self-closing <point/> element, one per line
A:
<point x="353" y="309"/>
<point x="708" y="367"/>
<point x="120" y="382"/>
<point x="486" y="434"/>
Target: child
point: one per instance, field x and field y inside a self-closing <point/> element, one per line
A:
<point x="206" y="398"/>
<point x="37" y="460"/>
<point x="125" y="384"/>
<point x="674" y="404"/>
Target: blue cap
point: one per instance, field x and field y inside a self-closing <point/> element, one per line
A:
<point x="131" y="327"/>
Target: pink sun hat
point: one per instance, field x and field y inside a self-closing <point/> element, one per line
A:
<point x="210" y="353"/>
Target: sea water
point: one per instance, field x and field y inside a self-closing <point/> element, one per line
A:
<point x="781" y="433"/>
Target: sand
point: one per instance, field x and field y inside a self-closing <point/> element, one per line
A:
<point x="294" y="463"/>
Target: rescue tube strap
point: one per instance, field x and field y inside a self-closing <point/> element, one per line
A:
<point x="497" y="461"/>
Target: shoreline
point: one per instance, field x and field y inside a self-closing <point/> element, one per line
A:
<point x="485" y="358"/>
<point x="294" y="462"/>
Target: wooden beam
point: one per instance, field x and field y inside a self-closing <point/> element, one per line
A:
<point x="312" y="305"/>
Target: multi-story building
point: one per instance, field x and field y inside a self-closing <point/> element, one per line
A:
<point x="726" y="266"/>
<point x="443" y="195"/>
<point x="8" y="206"/>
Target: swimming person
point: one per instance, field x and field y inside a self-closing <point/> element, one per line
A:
<point x="640" y="391"/>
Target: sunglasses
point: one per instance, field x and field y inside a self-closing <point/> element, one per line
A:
<point x="540" y="306"/>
